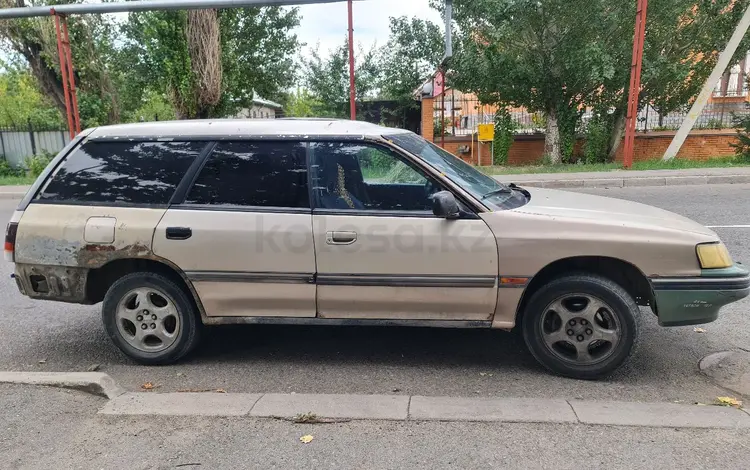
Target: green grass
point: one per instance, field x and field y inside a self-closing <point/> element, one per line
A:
<point x="16" y="180"/>
<point x="657" y="164"/>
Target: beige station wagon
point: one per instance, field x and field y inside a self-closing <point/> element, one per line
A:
<point x="178" y="225"/>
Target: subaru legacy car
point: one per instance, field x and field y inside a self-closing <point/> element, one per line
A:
<point x="176" y="226"/>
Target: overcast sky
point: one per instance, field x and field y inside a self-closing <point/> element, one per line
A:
<point x="327" y="23"/>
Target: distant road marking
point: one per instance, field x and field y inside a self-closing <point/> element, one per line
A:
<point x="728" y="226"/>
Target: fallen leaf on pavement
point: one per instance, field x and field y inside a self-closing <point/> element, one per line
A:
<point x="728" y="401"/>
<point x="93" y="368"/>
<point x="483" y="374"/>
<point x="699" y="330"/>
<point x="149" y="386"/>
<point x="306" y="439"/>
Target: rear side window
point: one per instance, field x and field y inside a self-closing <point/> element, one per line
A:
<point x="122" y="172"/>
<point x="260" y="174"/>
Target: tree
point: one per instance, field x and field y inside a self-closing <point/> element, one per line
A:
<point x="680" y="51"/>
<point x="256" y="50"/>
<point x="301" y="104"/>
<point x="545" y="55"/>
<point x="20" y="99"/>
<point x="327" y="79"/>
<point x="413" y="51"/>
<point x="92" y="44"/>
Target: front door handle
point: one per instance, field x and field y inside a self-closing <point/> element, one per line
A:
<point x="179" y="233"/>
<point x="341" y="238"/>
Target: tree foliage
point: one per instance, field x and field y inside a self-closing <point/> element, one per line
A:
<point x="257" y="50"/>
<point x="413" y="50"/>
<point x="562" y="56"/>
<point x="544" y="55"/>
<point x="21" y="102"/>
<point x="326" y="77"/>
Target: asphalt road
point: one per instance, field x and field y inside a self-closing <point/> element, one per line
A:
<point x="37" y="335"/>
<point x="33" y="437"/>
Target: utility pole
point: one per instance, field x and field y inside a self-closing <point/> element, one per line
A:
<point x="352" y="86"/>
<point x="635" y="82"/>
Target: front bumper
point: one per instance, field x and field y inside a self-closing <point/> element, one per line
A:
<point x="696" y="300"/>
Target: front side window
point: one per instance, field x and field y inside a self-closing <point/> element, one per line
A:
<point x="122" y="172"/>
<point x="260" y="174"/>
<point x="357" y="176"/>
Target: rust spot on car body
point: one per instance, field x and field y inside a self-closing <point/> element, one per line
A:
<point x="96" y="256"/>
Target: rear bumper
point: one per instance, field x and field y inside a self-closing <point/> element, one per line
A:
<point x="696" y="300"/>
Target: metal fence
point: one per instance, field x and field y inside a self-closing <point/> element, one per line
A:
<point x="17" y="143"/>
<point x="458" y="114"/>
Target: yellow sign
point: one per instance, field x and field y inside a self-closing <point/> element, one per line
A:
<point x="486" y="132"/>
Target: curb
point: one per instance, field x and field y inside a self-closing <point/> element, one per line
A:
<point x="95" y="383"/>
<point x="325" y="408"/>
<point x="629" y="182"/>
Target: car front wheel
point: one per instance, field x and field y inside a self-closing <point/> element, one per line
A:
<point x="150" y="318"/>
<point x="581" y="326"/>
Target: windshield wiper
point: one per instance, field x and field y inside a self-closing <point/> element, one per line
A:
<point x="502" y="190"/>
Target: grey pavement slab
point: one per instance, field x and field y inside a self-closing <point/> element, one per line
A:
<point x="181" y="404"/>
<point x="512" y="410"/>
<point x="386" y="407"/>
<point x="659" y="415"/>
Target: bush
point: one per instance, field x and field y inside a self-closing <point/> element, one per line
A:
<point x="742" y="147"/>
<point x="7" y="170"/>
<point x="598" y="131"/>
<point x="37" y="163"/>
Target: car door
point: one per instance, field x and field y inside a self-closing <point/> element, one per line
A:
<point x="380" y="251"/>
<point x="243" y="233"/>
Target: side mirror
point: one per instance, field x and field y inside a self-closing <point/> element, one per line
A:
<point x="444" y="205"/>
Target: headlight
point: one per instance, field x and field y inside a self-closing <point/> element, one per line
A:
<point x="713" y="256"/>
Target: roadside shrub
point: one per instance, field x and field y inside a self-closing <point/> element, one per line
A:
<point x="505" y="127"/>
<point x="598" y="131"/>
<point x="37" y="163"/>
<point x="742" y="147"/>
<point x="7" y="170"/>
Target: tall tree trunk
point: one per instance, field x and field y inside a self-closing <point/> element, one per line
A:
<point x="552" y="149"/>
<point x="618" y="132"/>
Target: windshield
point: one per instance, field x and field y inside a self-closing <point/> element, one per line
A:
<point x="469" y="178"/>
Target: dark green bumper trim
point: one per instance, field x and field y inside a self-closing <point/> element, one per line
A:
<point x="697" y="300"/>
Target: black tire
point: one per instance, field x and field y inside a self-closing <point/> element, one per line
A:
<point x="538" y="317"/>
<point x="187" y="331"/>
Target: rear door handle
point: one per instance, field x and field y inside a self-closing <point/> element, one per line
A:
<point x="179" y="233"/>
<point x="341" y="238"/>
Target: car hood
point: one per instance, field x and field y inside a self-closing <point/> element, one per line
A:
<point x="563" y="204"/>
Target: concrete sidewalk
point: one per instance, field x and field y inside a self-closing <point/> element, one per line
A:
<point x="321" y="408"/>
<point x="627" y="178"/>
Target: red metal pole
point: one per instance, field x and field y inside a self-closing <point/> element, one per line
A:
<point x="71" y="78"/>
<point x="635" y="81"/>
<point x="62" y="57"/>
<point x="352" y="88"/>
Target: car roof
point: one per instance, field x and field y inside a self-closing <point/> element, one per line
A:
<point x="286" y="128"/>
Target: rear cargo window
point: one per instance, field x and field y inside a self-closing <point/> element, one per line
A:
<point x="122" y="172"/>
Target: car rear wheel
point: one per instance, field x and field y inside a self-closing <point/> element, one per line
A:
<point x="581" y="326"/>
<point x="150" y="318"/>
